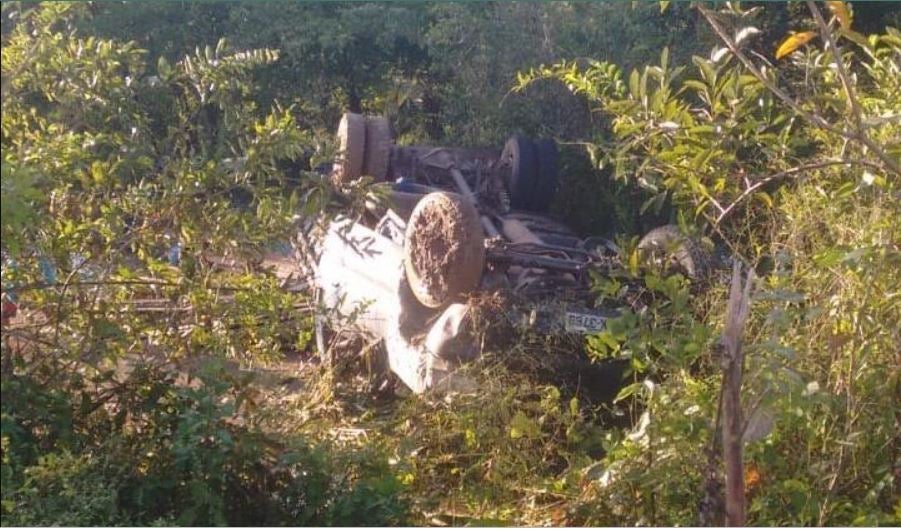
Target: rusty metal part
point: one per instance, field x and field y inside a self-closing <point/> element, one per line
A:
<point x="508" y="256"/>
<point x="490" y="230"/>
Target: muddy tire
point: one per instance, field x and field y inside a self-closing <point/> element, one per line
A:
<point x="351" y="148"/>
<point x="444" y="251"/>
<point x="547" y="177"/>
<point x="519" y="156"/>
<point x="378" y="147"/>
<point x="667" y="245"/>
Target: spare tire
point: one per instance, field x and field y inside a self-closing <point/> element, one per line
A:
<point x="519" y="157"/>
<point x="351" y="144"/>
<point x="444" y="251"/>
<point x="667" y="245"/>
<point x="547" y="178"/>
<point x="379" y="140"/>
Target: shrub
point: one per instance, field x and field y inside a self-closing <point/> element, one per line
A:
<point x="760" y="156"/>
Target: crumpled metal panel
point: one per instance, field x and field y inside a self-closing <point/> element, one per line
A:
<point x="360" y="274"/>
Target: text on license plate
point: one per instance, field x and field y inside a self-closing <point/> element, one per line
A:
<point x="584" y="322"/>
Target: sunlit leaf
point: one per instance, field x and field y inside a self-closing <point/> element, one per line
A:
<point x="793" y="42"/>
<point x="633" y="262"/>
<point x="522" y="426"/>
<point x="627" y="391"/>
<point x="752" y="477"/>
<point x="841" y="12"/>
<point x="718" y="53"/>
<point x="745" y="33"/>
<point x="854" y="36"/>
<point x="765" y="198"/>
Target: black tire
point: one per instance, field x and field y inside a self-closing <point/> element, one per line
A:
<point x="667" y="245"/>
<point x="548" y="178"/>
<point x="520" y="159"/>
<point x="379" y="140"/>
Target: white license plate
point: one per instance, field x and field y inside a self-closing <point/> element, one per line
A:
<point x="584" y="322"/>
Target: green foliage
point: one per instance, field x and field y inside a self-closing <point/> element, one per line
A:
<point x="431" y="67"/>
<point x="491" y="458"/>
<point x="688" y="140"/>
<point x="19" y="193"/>
<point x="62" y="489"/>
<point x="139" y="163"/>
<point x="125" y="190"/>
<point x="718" y="144"/>
<point x="142" y="153"/>
<point x="701" y="138"/>
<point x="181" y="455"/>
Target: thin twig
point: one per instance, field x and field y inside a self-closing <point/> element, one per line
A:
<point x="856" y="113"/>
<point x="51" y="285"/>
<point x="826" y="35"/>
<point x="814" y="119"/>
<point x="758" y="183"/>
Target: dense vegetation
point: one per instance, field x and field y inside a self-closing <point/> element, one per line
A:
<point x="143" y="383"/>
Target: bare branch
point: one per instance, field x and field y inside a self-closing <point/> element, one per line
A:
<point x="88" y="284"/>
<point x="856" y="113"/>
<point x="737" y="312"/>
<point x="826" y="35"/>
<point x="816" y="120"/>
<point x="760" y="182"/>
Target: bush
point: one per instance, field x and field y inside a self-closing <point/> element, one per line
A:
<point x="813" y="203"/>
<point x="122" y="398"/>
<point x="187" y="460"/>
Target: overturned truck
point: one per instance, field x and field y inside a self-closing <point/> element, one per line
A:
<point x="446" y="228"/>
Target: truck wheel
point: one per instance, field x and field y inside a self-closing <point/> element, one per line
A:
<point x="351" y="143"/>
<point x="444" y="251"/>
<point x="546" y="185"/>
<point x="378" y="147"/>
<point x="519" y="157"/>
<point x="667" y="245"/>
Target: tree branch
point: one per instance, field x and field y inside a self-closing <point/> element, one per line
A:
<point x="162" y="283"/>
<point x="856" y="113"/>
<point x="787" y="173"/>
<point x="826" y="35"/>
<point x="816" y="120"/>
<point x="733" y="360"/>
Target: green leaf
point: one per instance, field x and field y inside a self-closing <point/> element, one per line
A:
<point x="628" y="391"/>
<point x="633" y="85"/>
<point x="163" y="68"/>
<point x="765" y="198"/>
<point x="521" y="426"/>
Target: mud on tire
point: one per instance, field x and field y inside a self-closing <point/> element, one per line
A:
<point x="444" y="251"/>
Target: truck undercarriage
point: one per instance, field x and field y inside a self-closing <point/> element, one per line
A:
<point x="446" y="228"/>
